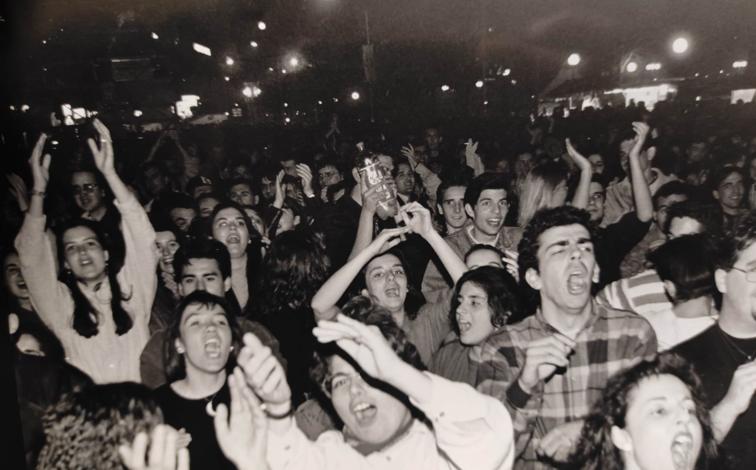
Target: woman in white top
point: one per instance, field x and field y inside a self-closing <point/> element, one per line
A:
<point x="99" y="312"/>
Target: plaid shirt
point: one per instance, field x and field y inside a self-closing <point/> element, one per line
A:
<point x="611" y="341"/>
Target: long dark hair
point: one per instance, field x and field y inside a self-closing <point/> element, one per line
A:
<point x="596" y="451"/>
<point x="254" y="252"/>
<point x="85" y="320"/>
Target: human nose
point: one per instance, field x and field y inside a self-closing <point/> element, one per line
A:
<point x="457" y="206"/>
<point x="356" y="385"/>
<point x="576" y="252"/>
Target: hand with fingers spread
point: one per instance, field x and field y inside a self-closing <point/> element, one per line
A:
<point x="560" y="441"/>
<point x="365" y="344"/>
<point x="304" y="172"/>
<point x="278" y="200"/>
<point x="265" y="375"/>
<point x="243" y="432"/>
<point x="102" y="150"/>
<point x="40" y="166"/>
<point x="387" y="239"/>
<point x="580" y="161"/>
<point x="542" y="358"/>
<point x="17" y="188"/>
<point x="164" y="453"/>
<point x="472" y="159"/>
<point x="409" y="152"/>
<point x="417" y="218"/>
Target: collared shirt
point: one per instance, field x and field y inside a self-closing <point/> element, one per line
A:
<point x="611" y="341"/>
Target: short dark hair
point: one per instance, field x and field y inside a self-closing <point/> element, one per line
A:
<point x="483" y="247"/>
<point x="693" y="276"/>
<point x="723" y="172"/>
<point x="542" y="221"/>
<point x="708" y="214"/>
<point x="742" y="237"/>
<point x="178" y="201"/>
<point x="175" y="365"/>
<point x="673" y="187"/>
<point x="501" y="289"/>
<point x="202" y="248"/>
<point x="451" y="180"/>
<point x="595" y="449"/>
<point x="483" y="182"/>
<point x="86" y="427"/>
<point x="236" y="181"/>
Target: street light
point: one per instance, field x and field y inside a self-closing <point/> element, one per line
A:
<point x="445" y="88"/>
<point x="680" y="45"/>
<point x="740" y="64"/>
<point x="355" y="95"/>
<point x="247" y="91"/>
<point x="137" y="113"/>
<point x="574" y="59"/>
<point x="631" y="67"/>
<point x="261" y="25"/>
<point x="253" y="44"/>
<point x="479" y="84"/>
<point x="294" y="61"/>
<point x="229" y="61"/>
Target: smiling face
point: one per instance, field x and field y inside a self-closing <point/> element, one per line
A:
<point x="369" y="414"/>
<point x="204" y="338"/>
<point x="490" y="211"/>
<point x="166" y="245"/>
<point x="14" y="280"/>
<point x="473" y="315"/>
<point x="87" y="192"/>
<point x="730" y="192"/>
<point x="387" y="282"/>
<point x="566" y="267"/>
<point x="230" y="229"/>
<point x="662" y="430"/>
<point x="84" y="255"/>
<point x="453" y="207"/>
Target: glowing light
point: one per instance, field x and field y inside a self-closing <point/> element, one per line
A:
<point x="283" y="71"/>
<point x="631" y="67"/>
<point x="256" y="91"/>
<point x="24" y="108"/>
<point x="253" y="43"/>
<point x="287" y="120"/>
<point x="247" y="91"/>
<point x="227" y="78"/>
<point x="335" y="100"/>
<point x="485" y="103"/>
<point x="229" y="61"/>
<point x="286" y="105"/>
<point x="740" y="64"/>
<point x="202" y="49"/>
<point x="698" y="98"/>
<point x="155" y="36"/>
<point x="506" y="72"/>
<point x="294" y="61"/>
<point x="44" y="41"/>
<point x="137" y="113"/>
<point x="320" y="102"/>
<point x="513" y="82"/>
<point x="445" y="88"/>
<point x="479" y="84"/>
<point x="573" y="59"/>
<point x="270" y="69"/>
<point x="680" y="45"/>
<point x="653" y="66"/>
<point x="261" y="25"/>
<point x="355" y="95"/>
<point x="12" y="108"/>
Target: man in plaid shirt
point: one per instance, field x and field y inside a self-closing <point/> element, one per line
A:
<point x="549" y="368"/>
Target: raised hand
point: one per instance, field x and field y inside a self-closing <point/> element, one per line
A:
<point x="365" y="344"/>
<point x="542" y="357"/>
<point x="102" y="151"/>
<point x="40" y="165"/>
<point x="472" y="159"/>
<point x="17" y="188"/>
<point x="370" y="199"/>
<point x="641" y="130"/>
<point x="510" y="261"/>
<point x="409" y="152"/>
<point x="387" y="239"/>
<point x="278" y="200"/>
<point x="243" y="435"/>
<point x="304" y="172"/>
<point x="559" y="442"/>
<point x="417" y="218"/>
<point x="265" y="375"/>
<point x="580" y="161"/>
<point x="164" y="453"/>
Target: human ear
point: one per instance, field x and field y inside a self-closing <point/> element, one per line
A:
<point x="720" y="279"/>
<point x="669" y="286"/>
<point x="179" y="346"/>
<point x="227" y="284"/>
<point x="533" y="279"/>
<point x="596" y="274"/>
<point x="621" y="439"/>
<point x="469" y="211"/>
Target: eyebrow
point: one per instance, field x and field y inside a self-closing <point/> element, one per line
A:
<point x="81" y="241"/>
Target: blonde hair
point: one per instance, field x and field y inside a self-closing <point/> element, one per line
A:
<point x="538" y="187"/>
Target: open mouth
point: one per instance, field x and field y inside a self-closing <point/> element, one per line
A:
<point x="392" y="292"/>
<point x="364" y="412"/>
<point x="682" y="448"/>
<point x="464" y="326"/>
<point x="495" y="222"/>
<point x="213" y="347"/>
<point x="577" y="282"/>
<point x="233" y="239"/>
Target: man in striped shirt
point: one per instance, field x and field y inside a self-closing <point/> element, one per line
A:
<point x="549" y="368"/>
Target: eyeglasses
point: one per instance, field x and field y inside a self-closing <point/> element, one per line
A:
<point x="749" y="275"/>
<point x="85" y="188"/>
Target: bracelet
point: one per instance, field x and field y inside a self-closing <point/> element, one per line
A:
<point x="34" y="192"/>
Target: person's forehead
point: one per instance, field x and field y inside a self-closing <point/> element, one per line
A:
<point x="11" y="260"/>
<point x="327" y="169"/>
<point x="684" y="224"/>
<point x="384" y="261"/>
<point x="495" y="194"/>
<point x="182" y="210"/>
<point x="165" y="236"/>
<point x="83" y="177"/>
<point x="472" y="289"/>
<point x="482" y="257"/>
<point x="659" y="386"/>
<point x="228" y="213"/>
<point x="596" y="187"/>
<point x="196" y="308"/>
<point x="563" y="233"/>
<point x="455" y="192"/>
<point x="733" y="177"/>
<point x="595" y="156"/>
<point x="337" y="365"/>
<point x="78" y="233"/>
<point x="672" y="199"/>
<point x="240" y="187"/>
<point x="431" y="131"/>
<point x="202" y="266"/>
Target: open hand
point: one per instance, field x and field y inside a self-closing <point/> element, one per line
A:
<point x="304" y="172"/>
<point x="40" y="165"/>
<point x="580" y="161"/>
<point x="265" y="375"/>
<point x="164" y="453"/>
<point x="102" y="151"/>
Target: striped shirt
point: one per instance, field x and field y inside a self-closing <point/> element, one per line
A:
<point x="611" y="341"/>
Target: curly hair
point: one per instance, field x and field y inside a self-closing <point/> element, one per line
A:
<point x="85" y="428"/>
<point x="85" y="320"/>
<point x="595" y="449"/>
<point x="175" y="365"/>
<point x="501" y="289"/>
<point x="295" y="267"/>
<point x="542" y="221"/>
<point x="743" y="236"/>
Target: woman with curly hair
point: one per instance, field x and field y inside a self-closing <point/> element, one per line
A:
<point x="86" y="428"/>
<point x="650" y="417"/>
<point x="101" y="309"/>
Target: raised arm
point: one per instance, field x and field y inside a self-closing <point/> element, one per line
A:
<point x="324" y="302"/>
<point x="365" y="225"/>
<point x="583" y="191"/>
<point x="644" y="208"/>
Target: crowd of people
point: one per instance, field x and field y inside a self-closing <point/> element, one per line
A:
<point x="566" y="292"/>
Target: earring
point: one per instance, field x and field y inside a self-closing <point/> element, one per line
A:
<point x="231" y="348"/>
<point x="179" y="349"/>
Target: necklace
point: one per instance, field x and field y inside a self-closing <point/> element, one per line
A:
<point x="732" y="345"/>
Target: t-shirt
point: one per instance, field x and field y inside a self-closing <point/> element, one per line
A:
<point x="191" y="415"/>
<point x="715" y="356"/>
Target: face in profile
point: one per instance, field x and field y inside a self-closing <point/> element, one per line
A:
<point x="662" y="430"/>
<point x="369" y="414"/>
